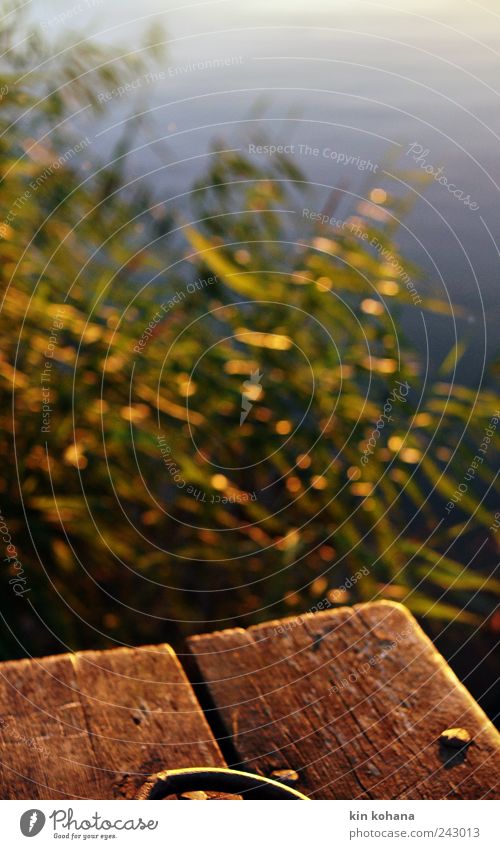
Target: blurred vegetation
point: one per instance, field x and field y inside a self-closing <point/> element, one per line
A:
<point x="113" y="546"/>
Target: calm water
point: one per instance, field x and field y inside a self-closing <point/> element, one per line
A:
<point x="358" y="78"/>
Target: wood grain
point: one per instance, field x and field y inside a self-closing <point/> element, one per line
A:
<point x="95" y="724"/>
<point x="354" y="700"/>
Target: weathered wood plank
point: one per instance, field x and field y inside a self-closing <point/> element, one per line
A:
<point x="142" y="715"/>
<point x="45" y="749"/>
<point x="100" y="722"/>
<point x="354" y="700"/>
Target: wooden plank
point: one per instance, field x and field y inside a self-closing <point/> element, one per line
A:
<point x="95" y="724"/>
<point x="354" y="700"/>
<point x="142" y="716"/>
<point x="45" y="750"/>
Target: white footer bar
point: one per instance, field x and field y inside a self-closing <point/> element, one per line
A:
<point x="335" y="824"/>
